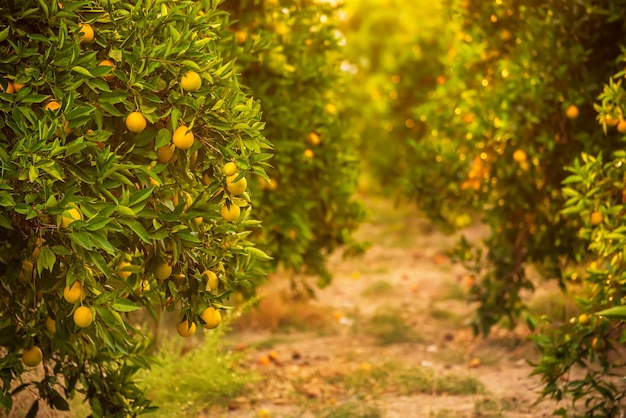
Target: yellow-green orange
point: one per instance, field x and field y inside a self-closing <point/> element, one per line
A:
<point x="69" y="216"/>
<point x="212" y="281"/>
<point x="163" y="271"/>
<point x="83" y="316"/>
<point x="184" y="195"/>
<point x="211" y="318"/>
<point x="51" y="325"/>
<point x="165" y="154"/>
<point x="32" y="356"/>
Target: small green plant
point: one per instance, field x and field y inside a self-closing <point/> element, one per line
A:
<point x="352" y="410"/>
<point x="388" y="327"/>
<point x="204" y="377"/>
<point x="380" y="287"/>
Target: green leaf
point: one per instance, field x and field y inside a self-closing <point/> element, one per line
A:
<point x="82" y="239"/>
<point x="140" y="196"/>
<point x="4" y="34"/>
<point x="137" y="228"/>
<point x="82" y="70"/>
<point x="616" y="312"/>
<point x="47" y="259"/>
<point x="125" y="305"/>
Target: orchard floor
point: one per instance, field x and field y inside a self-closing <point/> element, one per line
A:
<point x="388" y="338"/>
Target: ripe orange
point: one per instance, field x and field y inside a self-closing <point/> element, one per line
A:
<point x="185" y="329"/>
<point x="308" y="153"/>
<point x="108" y="63"/>
<point x="183" y="137"/>
<point x="314" y="138"/>
<point x="212" y="318"/>
<point x="230" y="168"/>
<point x="74" y="293"/>
<point x="572" y="112"/>
<point x="519" y="156"/>
<point x="596" y="218"/>
<point x="10" y="88"/>
<point x="18" y="86"/>
<point x="87" y="32"/>
<point x="621" y="126"/>
<point x="32" y="356"/>
<point x="52" y="105"/>
<point x="83" y="316"/>
<point x="236" y="187"/>
<point x="191" y="81"/>
<point x="136" y="122"/>
<point x="231" y="212"/>
<point x="121" y="269"/>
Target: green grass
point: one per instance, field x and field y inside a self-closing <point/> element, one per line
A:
<point x="381" y="287"/>
<point x="183" y="385"/>
<point x="393" y="377"/>
<point x="388" y="327"/>
<point x="352" y="410"/>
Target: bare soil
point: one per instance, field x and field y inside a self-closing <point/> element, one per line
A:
<point x="333" y="356"/>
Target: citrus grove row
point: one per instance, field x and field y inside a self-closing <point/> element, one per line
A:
<point x="156" y="155"/>
<point x="513" y="114"/>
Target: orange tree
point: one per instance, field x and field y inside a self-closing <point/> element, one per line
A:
<point x="307" y="206"/>
<point x="581" y="356"/>
<point x="394" y="65"/>
<point x="515" y="108"/>
<point x="125" y="146"/>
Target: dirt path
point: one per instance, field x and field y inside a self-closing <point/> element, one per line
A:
<point x="388" y="338"/>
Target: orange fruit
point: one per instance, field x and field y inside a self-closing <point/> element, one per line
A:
<point x="165" y="154"/>
<point x="69" y="216"/>
<point x="212" y="318"/>
<point x="83" y="316"/>
<point x="163" y="271"/>
<point x="87" y="32"/>
<point x="108" y="63"/>
<point x="136" y="122"/>
<point x="230" y="168"/>
<point x="596" y="218"/>
<point x="10" y="88"/>
<point x="74" y="293"/>
<point x="121" y="272"/>
<point x="191" y="81"/>
<point x="572" y="112"/>
<point x="185" y="329"/>
<point x="236" y="187"/>
<point x="32" y="356"/>
<point x="621" y="126"/>
<point x="52" y="105"/>
<point x="212" y="280"/>
<point x="231" y="212"/>
<point x="51" y="325"/>
<point x="183" y="137"/>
